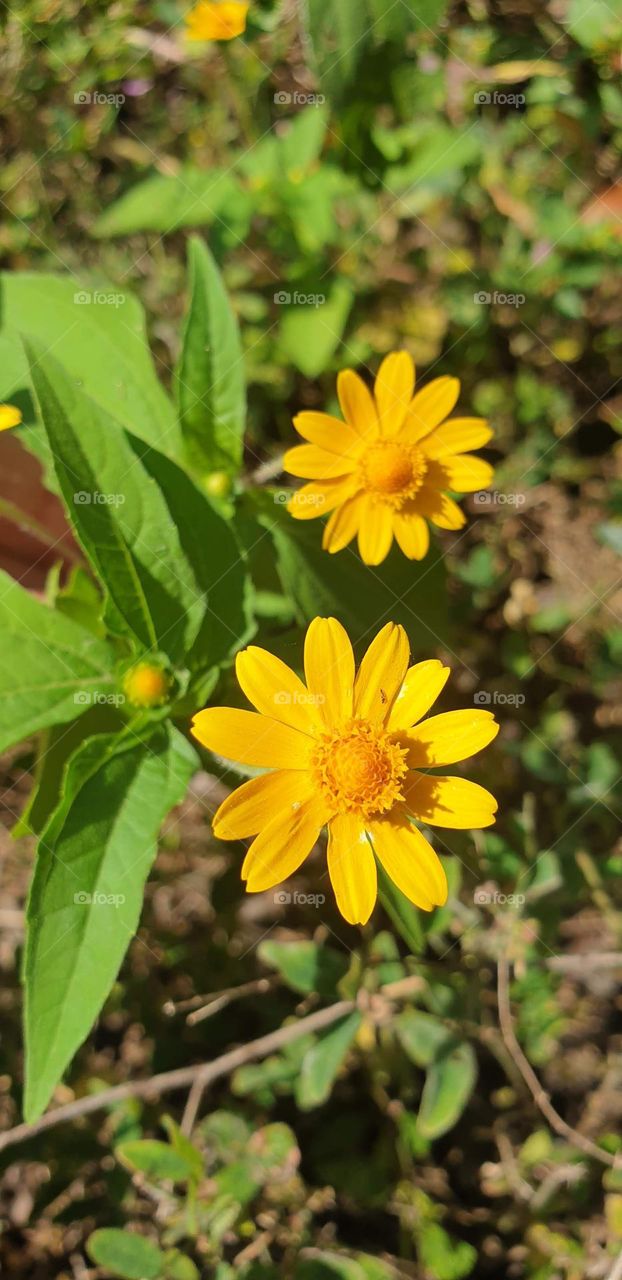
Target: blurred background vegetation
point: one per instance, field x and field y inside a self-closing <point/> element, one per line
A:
<point x="444" y="178"/>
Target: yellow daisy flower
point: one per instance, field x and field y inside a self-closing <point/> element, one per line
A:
<point x="384" y="472"/>
<point x="216" y="21"/>
<point x="346" y="751"/>
<point x="10" y="416"/>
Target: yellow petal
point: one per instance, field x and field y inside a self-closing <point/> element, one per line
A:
<point x="318" y="499"/>
<point x="431" y="406"/>
<point x="375" y="534"/>
<point x="217" y="21"/>
<point x="247" y="738"/>
<point x="283" y="845"/>
<point x="456" y="436"/>
<point x="422" y="686"/>
<point x="449" y="802"/>
<point x="452" y="736"/>
<point x="461" y="472"/>
<point x="328" y="433"/>
<point x="10" y="416"/>
<point x="410" y="861"/>
<point x="275" y="690"/>
<point x="393" y="390"/>
<point x="352" y="868"/>
<point x="329" y="669"/>
<point x="381" y="674"/>
<point x="357" y="404"/>
<point x="253" y="805"/>
<point x="439" y="508"/>
<point x="311" y="463"/>
<point x="343" y="525"/>
<point x="412" y="535"/>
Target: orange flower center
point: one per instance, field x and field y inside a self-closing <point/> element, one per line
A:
<point x="359" y="769"/>
<point x="392" y="471"/>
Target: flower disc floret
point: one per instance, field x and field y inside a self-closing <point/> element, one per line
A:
<point x="359" y="769"/>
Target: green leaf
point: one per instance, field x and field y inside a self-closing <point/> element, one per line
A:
<point x="125" y="1254"/>
<point x="339" y="34"/>
<point x="184" y="1148"/>
<point x="301" y="145"/>
<point x="595" y="24"/>
<point x="321" y="1064"/>
<point x="210" y="382"/>
<point x="403" y="915"/>
<point x="448" y="1086"/>
<point x="190" y="198"/>
<point x="423" y="1037"/>
<point x="86" y="897"/>
<point x="169" y="585"/>
<point x="442" y="1256"/>
<point x="305" y="966"/>
<point x="178" y="1267"/>
<point x="157" y="1160"/>
<point x="395" y="21"/>
<point x="101" y="343"/>
<point x="51" y="669"/>
<point x="313" y="325"/>
<point x="363" y="598"/>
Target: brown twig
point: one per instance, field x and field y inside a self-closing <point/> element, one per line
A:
<point x="539" y="1095"/>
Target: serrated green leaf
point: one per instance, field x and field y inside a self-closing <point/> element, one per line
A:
<point x="125" y="1254"/>
<point x="321" y="1064"/>
<point x="86" y="896"/>
<point x="210" y="382"/>
<point x="51" y="668"/>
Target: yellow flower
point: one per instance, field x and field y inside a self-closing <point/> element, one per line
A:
<point x="384" y="471"/>
<point x="219" y="21"/>
<point x="146" y="685"/>
<point x="10" y="416"/>
<point x="346" y="750"/>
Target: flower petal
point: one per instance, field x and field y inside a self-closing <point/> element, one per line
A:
<point x="318" y="499"/>
<point x="409" y="860"/>
<point x="422" y="686"/>
<point x="461" y="472"/>
<point x="329" y="669"/>
<point x="456" y="436"/>
<point x="328" y="433"/>
<point x="381" y="674"/>
<point x="412" y="535"/>
<point x="352" y="868"/>
<point x="247" y="738"/>
<point x="439" y="508"/>
<point x="393" y="390"/>
<point x="283" y="845"/>
<point x="10" y="416"/>
<point x="375" y="534"/>
<point x="452" y="736"/>
<point x="342" y="526"/>
<point x="252" y="806"/>
<point x="311" y="463"/>
<point x="357" y="403"/>
<point x="431" y="406"/>
<point x="275" y="690"/>
<point x="449" y="802"/>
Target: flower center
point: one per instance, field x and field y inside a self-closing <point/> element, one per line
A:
<point x="393" y="472"/>
<point x="359" y="769"/>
